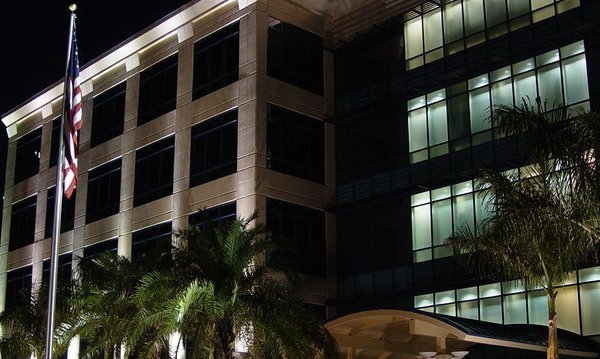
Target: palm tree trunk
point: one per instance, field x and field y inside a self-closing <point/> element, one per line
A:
<point x="552" y="326"/>
<point x="224" y="340"/>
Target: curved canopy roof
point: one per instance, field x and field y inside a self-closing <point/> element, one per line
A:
<point x="403" y="334"/>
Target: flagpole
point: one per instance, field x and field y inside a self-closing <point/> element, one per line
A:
<point x="58" y="198"/>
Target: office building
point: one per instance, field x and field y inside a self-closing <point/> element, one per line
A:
<point x="354" y="128"/>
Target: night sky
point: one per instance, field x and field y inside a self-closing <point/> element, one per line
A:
<point x="33" y="42"/>
<point x="34" y="38"/>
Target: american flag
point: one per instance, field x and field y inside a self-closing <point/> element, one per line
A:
<point x="73" y="125"/>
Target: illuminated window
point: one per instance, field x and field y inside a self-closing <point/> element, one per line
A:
<point x="457" y="117"/>
<point x="432" y="31"/>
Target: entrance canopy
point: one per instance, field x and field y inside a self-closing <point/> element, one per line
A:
<point x="403" y="334"/>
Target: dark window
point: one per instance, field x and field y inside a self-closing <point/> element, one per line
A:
<point x="222" y="214"/>
<point x="64" y="268"/>
<point x="27" y="160"/>
<point x="108" y="115"/>
<point x="216" y="60"/>
<point x="67" y="216"/>
<point x="295" y="144"/>
<point x="214" y="148"/>
<point x="98" y="248"/>
<point x="104" y="191"/>
<point x="18" y="287"/>
<point x="158" y="90"/>
<point x="152" y="241"/>
<point x="295" y="56"/>
<point x="300" y="233"/>
<point x="22" y="223"/>
<point x="54" y="142"/>
<point x="154" y="171"/>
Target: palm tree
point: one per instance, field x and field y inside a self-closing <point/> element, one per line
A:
<point x="25" y="326"/>
<point x="221" y="289"/>
<point x="545" y="224"/>
<point x="109" y="317"/>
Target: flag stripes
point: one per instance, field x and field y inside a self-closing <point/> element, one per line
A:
<point x="73" y="125"/>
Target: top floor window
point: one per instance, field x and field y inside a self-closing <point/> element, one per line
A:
<point x="54" y="142"/>
<point x="295" y="55"/>
<point x="108" y="115"/>
<point x="158" y="90"/>
<point x="27" y="160"/>
<point x="457" y="117"/>
<point x="432" y="31"/>
<point x="216" y="60"/>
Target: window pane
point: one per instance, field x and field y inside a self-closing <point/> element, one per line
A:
<point x="458" y="116"/>
<point x="108" y="115"/>
<point x="463" y="211"/>
<point x="417" y="129"/>
<point x="575" y="79"/>
<point x="453" y="24"/>
<point x="495" y="12"/>
<point x="295" y="144"/>
<point x="525" y="88"/>
<point x="479" y="106"/>
<point x="421" y="227"/>
<point x="517" y="8"/>
<point x="567" y="304"/>
<point x="483" y="205"/>
<point x="502" y="93"/>
<point x="538" y="308"/>
<point x="158" y="88"/>
<point x="216" y="60"/>
<point x="448" y="309"/>
<point x="436" y="115"/>
<point x="468" y="310"/>
<point x="442" y="221"/>
<point x="590" y="297"/>
<point x="433" y="29"/>
<point x="27" y="158"/>
<point x="491" y="310"/>
<point x="413" y="36"/>
<point x="515" y="309"/>
<point x="550" y="85"/>
<point x="473" y="16"/>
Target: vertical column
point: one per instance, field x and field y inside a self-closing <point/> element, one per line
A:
<point x="128" y="165"/>
<point x="6" y="213"/>
<point x="251" y="115"/>
<point x="330" y="191"/>
<point x="181" y="168"/>
<point x="82" y="180"/>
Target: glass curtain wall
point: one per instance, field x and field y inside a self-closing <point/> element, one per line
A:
<point x="511" y="303"/>
<point x="457" y="117"/>
<point x="433" y="31"/>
